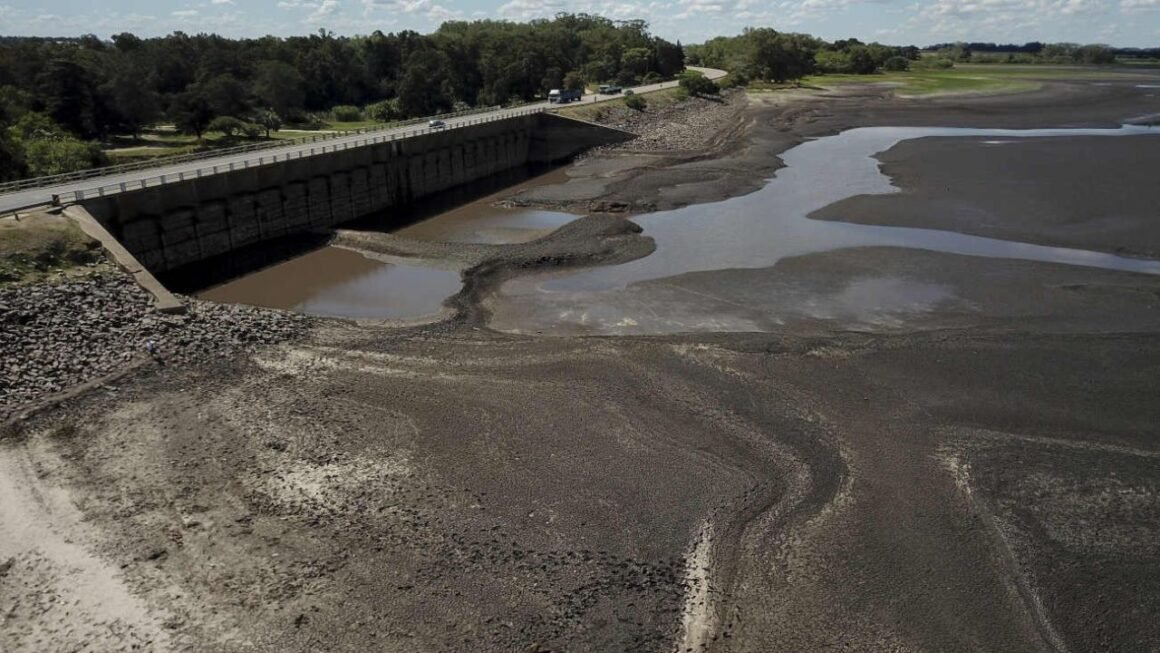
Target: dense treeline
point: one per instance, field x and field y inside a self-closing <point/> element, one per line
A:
<point x="59" y="95"/>
<point x="1044" y="52"/>
<point x="1033" y="52"/>
<point x="768" y="55"/>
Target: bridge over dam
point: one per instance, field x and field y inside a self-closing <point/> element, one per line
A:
<point x="194" y="216"/>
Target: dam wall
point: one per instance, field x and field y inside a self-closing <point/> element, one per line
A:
<point x="186" y="221"/>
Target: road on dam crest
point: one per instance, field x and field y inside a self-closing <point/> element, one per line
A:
<point x="41" y="196"/>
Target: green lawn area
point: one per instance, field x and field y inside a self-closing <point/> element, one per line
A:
<point x="931" y="82"/>
<point x="971" y="78"/>
<point x="591" y="112"/>
<point x="39" y="244"/>
<point x="330" y="125"/>
<point x="160" y="142"/>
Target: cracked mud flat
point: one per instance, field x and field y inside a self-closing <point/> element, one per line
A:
<point x="979" y="477"/>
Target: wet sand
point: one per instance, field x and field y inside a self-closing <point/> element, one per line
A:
<point x="336" y="282"/>
<point x="1082" y="192"/>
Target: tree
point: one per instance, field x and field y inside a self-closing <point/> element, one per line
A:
<point x="832" y="62"/>
<point x="268" y="119"/>
<point x="55" y="156"/>
<point x="228" y="126"/>
<point x="636" y="102"/>
<point x="896" y="64"/>
<point x="192" y="113"/>
<point x="574" y="81"/>
<point x="132" y="99"/>
<point x="226" y="96"/>
<point x="385" y="111"/>
<point x="861" y="61"/>
<point x="69" y="97"/>
<point x="279" y="86"/>
<point x="12" y="164"/>
<point x="697" y="84"/>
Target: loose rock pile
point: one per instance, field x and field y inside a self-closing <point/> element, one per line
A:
<point x="55" y="335"/>
<point x="687" y="125"/>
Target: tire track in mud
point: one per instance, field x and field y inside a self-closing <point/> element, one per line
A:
<point x="960" y="471"/>
<point x="799" y="476"/>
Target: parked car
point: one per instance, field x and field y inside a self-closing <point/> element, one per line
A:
<point x="436" y="124"/>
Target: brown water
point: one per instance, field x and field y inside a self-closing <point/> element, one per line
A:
<point x="337" y="282"/>
<point x="341" y="283"/>
<point x="487" y="224"/>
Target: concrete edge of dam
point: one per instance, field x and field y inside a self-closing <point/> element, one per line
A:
<point x="166" y="227"/>
<point x="163" y="300"/>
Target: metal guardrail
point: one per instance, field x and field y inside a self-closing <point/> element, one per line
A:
<point x="160" y="180"/>
<point x="158" y="162"/>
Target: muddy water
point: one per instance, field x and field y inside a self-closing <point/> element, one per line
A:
<point x="759" y="230"/>
<point x="487" y="224"/>
<point x="336" y="282"/>
<point x="341" y="283"/>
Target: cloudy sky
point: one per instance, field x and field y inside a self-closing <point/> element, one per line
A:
<point x="920" y="22"/>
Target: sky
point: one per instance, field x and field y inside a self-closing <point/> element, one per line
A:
<point x="897" y="22"/>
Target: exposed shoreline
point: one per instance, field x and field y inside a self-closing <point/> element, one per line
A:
<point x="969" y="480"/>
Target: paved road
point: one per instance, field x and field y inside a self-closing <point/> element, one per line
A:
<point x="32" y="197"/>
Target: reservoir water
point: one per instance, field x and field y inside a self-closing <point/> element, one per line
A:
<point x="748" y="232"/>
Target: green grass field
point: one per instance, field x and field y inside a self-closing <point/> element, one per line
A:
<point x="164" y="141"/>
<point x="592" y="112"/>
<point x="38" y="244"/>
<point x="970" y="78"/>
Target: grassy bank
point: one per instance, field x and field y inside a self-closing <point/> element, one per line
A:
<point x="594" y="112"/>
<point x="166" y="142"/>
<point x="40" y="244"/>
<point x="970" y="79"/>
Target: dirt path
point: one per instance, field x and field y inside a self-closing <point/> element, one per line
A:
<point x="58" y="595"/>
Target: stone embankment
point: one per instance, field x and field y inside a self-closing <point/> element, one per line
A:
<point x="68" y="331"/>
<point x="693" y="124"/>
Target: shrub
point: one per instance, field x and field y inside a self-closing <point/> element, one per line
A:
<point x="268" y="120"/>
<point x="933" y="63"/>
<point x="896" y="64"/>
<point x="636" y="102"/>
<point x="60" y="155"/>
<point x="699" y="85"/>
<point x="228" y="126"/>
<point x="346" y="113"/>
<point x="385" y="111"/>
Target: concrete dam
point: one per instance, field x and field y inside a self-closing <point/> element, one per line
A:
<point x="189" y="220"/>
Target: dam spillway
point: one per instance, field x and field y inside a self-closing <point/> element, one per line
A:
<point x="200" y="217"/>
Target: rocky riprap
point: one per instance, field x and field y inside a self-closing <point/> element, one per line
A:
<point x="61" y="333"/>
<point x="689" y="125"/>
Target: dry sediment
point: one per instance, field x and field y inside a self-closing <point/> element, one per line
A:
<point x="449" y="488"/>
<point x="69" y="331"/>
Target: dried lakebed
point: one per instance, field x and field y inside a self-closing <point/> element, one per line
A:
<point x="448" y="487"/>
<point x="697" y="279"/>
<point x="672" y="291"/>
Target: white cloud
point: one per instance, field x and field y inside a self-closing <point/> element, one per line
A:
<point x="528" y="9"/>
<point x="434" y="13"/>
<point x="1140" y="5"/>
<point x="221" y="2"/>
<point x="324" y="10"/>
<point x="184" y="13"/>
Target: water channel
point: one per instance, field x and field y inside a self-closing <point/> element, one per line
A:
<point x="748" y="232"/>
